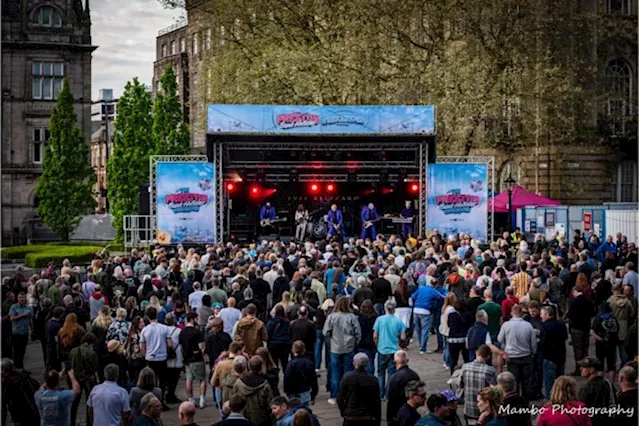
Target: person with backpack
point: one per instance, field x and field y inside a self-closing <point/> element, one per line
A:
<point x="604" y="331"/>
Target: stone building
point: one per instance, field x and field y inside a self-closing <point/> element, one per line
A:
<point x="43" y="42"/>
<point x="103" y="110"/>
<point x="587" y="172"/>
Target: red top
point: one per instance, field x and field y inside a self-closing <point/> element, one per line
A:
<point x="569" y="415"/>
<point x="507" y="304"/>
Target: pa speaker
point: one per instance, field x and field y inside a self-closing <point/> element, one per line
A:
<point x="143" y="200"/>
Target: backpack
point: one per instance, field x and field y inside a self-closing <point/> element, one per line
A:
<point x="610" y="326"/>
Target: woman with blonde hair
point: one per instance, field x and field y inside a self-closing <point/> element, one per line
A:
<point x="285" y="303"/>
<point x="489" y="401"/>
<point x="101" y="324"/>
<point x="564" y="394"/>
<point x="119" y="329"/>
<point x="447" y="308"/>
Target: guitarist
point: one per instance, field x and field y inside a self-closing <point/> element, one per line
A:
<point x="267" y="212"/>
<point x="368" y="216"/>
<point x="301" y="217"/>
<point x="334" y="218"/>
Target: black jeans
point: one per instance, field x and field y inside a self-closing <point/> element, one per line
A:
<point x="173" y="376"/>
<point x="160" y="368"/>
<point x="580" y="343"/>
<point x="521" y="369"/>
<point x="19" y="342"/>
<point x="536" y="378"/>
<point x="280" y="352"/>
<point x="454" y="351"/>
<point x="85" y="386"/>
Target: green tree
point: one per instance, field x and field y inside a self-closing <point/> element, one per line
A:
<point x="128" y="165"/>
<point x="65" y="189"/>
<point x="170" y="132"/>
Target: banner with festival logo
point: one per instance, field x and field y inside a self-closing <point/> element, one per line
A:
<point x="457" y="199"/>
<point x="185" y="203"/>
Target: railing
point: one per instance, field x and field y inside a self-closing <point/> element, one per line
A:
<point x="180" y="24"/>
<point x="138" y="231"/>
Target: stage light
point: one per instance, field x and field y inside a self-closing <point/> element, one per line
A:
<point x="314" y="187"/>
<point x="414" y="187"/>
<point x="255" y="190"/>
<point x="331" y="187"/>
<point x="230" y="187"/>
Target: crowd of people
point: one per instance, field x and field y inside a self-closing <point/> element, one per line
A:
<point x="250" y="328"/>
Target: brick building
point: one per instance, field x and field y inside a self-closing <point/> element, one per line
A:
<point x="42" y="43"/>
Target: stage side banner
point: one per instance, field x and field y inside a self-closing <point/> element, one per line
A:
<point x="457" y="199"/>
<point x="185" y="203"/>
<point x="301" y="119"/>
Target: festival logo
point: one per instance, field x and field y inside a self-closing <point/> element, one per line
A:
<point x="184" y="201"/>
<point x="453" y="202"/>
<point x="344" y="118"/>
<point x="297" y="119"/>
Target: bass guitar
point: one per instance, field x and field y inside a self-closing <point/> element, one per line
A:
<point x="269" y="222"/>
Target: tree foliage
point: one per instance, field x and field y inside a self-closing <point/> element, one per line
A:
<point x="500" y="73"/>
<point x="170" y="132"/>
<point x="128" y="165"/>
<point x="65" y="189"/>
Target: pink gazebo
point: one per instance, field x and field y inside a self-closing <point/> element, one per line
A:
<point x="519" y="198"/>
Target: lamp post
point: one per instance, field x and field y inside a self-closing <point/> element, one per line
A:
<point x="510" y="182"/>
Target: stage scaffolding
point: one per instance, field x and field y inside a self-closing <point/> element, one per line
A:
<point x="491" y="171"/>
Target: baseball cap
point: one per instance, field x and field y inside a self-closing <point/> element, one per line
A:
<point x="590" y="362"/>
<point x="217" y="305"/>
<point x="450" y="395"/>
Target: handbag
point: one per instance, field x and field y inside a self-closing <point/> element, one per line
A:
<point x="171" y="352"/>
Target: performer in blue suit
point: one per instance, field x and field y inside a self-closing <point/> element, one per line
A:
<point x="267" y="212"/>
<point x="369" y="213"/>
<point x="334" y="217"/>
<point x="407" y="212"/>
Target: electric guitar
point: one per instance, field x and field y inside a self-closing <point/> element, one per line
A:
<point x="336" y="226"/>
<point x="368" y="223"/>
<point x="269" y="222"/>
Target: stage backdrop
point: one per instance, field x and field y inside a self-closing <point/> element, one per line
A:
<point x="457" y="199"/>
<point x="185" y="203"/>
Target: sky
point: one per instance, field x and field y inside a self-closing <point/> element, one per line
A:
<point x="125" y="32"/>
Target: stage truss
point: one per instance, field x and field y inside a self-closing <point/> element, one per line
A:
<point x="491" y="170"/>
<point x="365" y="168"/>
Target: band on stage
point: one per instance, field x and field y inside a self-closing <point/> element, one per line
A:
<point x="334" y="219"/>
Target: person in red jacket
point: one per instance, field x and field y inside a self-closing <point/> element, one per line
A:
<point x="563" y="394"/>
<point x="508" y="303"/>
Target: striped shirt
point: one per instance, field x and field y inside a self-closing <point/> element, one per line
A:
<point x="520" y="283"/>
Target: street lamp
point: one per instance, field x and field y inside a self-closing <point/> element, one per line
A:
<point x="510" y="182"/>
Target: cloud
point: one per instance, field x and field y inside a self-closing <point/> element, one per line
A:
<point x="125" y="32"/>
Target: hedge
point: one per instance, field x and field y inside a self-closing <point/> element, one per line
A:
<point x="20" y="252"/>
<point x="77" y="255"/>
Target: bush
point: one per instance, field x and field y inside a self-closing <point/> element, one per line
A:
<point x="77" y="255"/>
<point x="20" y="252"/>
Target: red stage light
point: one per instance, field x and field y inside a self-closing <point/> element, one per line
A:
<point x="230" y="187"/>
<point x="415" y="187"/>
<point x="255" y="190"/>
<point x="331" y="187"/>
<point x="314" y="187"/>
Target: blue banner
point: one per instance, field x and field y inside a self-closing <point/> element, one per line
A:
<point x="185" y="203"/>
<point x="309" y="119"/>
<point x="457" y="199"/>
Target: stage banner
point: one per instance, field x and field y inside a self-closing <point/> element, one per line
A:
<point x="457" y="199"/>
<point x="185" y="203"/>
<point x="322" y="120"/>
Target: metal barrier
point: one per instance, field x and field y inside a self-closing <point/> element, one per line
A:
<point x="138" y="231"/>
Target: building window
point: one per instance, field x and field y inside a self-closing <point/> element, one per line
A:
<point x="195" y="43"/>
<point x="40" y="137"/>
<point x="47" y="79"/>
<point x="208" y="39"/>
<point x="619" y="7"/>
<point x="164" y="50"/>
<point x="625" y="182"/>
<point x="619" y="85"/>
<point x="47" y="16"/>
<point x="182" y="46"/>
<point x="509" y="168"/>
<point x="172" y="49"/>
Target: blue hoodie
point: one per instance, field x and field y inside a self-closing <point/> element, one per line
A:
<point x="426" y="297"/>
<point x="605" y="247"/>
<point x="287" y="420"/>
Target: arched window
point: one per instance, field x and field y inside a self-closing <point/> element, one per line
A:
<point x="509" y="168"/>
<point x="48" y="16"/>
<point x="619" y="84"/>
<point x="625" y="182"/>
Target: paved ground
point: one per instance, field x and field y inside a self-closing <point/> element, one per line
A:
<point x="428" y="366"/>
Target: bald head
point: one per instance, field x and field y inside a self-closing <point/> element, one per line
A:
<point x="186" y="413"/>
<point x="231" y="302"/>
<point x="487" y="294"/>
